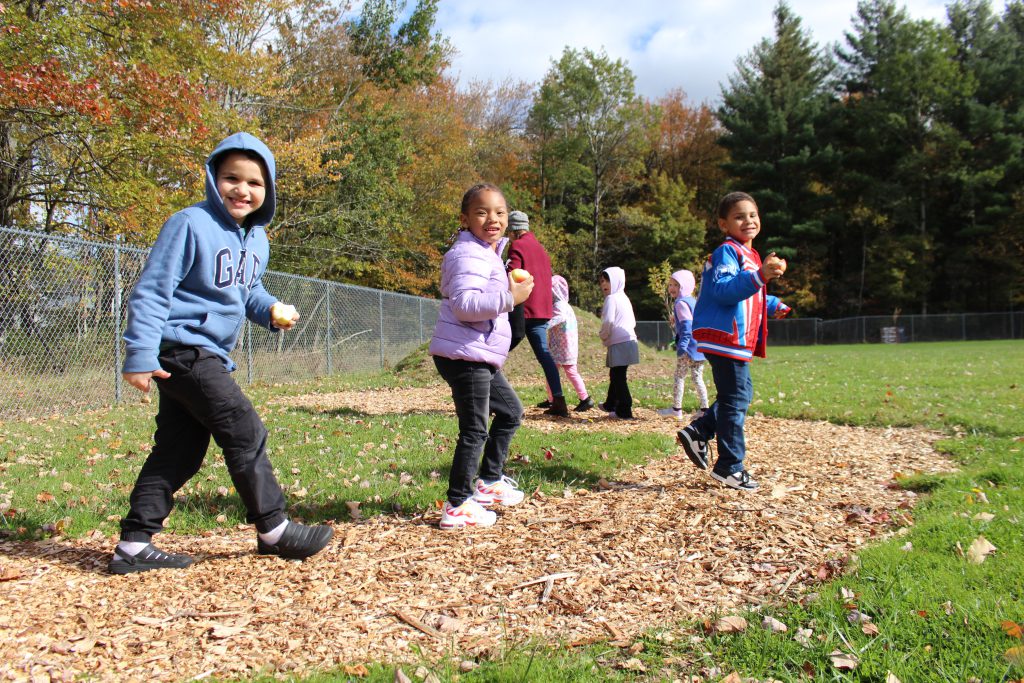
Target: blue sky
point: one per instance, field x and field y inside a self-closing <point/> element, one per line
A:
<point x="688" y="44"/>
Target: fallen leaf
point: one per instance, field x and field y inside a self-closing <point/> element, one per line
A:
<point x="857" y="617"/>
<point x="890" y="677"/>
<point x="773" y="625"/>
<point x="44" y="497"/>
<point x="730" y="625"/>
<point x="732" y="678"/>
<point x="843" y="661"/>
<point x="1012" y="629"/>
<point x="1015" y="655"/>
<point x="984" y="517"/>
<point x="803" y="636"/>
<point x="869" y="629"/>
<point x="633" y="664"/>
<point x="401" y="677"/>
<point x="979" y="550"/>
<point x="358" y="670"/>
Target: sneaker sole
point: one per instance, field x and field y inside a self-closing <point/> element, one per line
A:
<point x="691" y="451"/>
<point x="489" y="502"/>
<point x="122" y="568"/>
<point x="452" y="526"/>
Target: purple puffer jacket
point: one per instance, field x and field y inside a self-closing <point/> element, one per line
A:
<point x="475" y="301"/>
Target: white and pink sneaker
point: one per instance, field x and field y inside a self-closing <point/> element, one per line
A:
<point x="470" y="513"/>
<point x="505" y="491"/>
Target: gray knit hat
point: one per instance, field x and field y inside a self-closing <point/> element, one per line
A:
<point x="519" y="221"/>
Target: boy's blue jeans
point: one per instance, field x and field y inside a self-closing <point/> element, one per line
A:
<point x="724" y="419"/>
<point x="479" y="390"/>
<point x="537" y="333"/>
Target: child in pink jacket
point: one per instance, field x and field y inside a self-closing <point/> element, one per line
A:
<point x="563" y="342"/>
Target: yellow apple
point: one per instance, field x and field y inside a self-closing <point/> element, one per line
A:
<point x="282" y="314"/>
<point x="518" y="275"/>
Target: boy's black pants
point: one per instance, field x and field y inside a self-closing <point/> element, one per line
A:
<point x="199" y="400"/>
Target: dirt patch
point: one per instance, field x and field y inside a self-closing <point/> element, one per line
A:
<point x="662" y="543"/>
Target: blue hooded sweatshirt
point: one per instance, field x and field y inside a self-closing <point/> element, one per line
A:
<point x="203" y="275"/>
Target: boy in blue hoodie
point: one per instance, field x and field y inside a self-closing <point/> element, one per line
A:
<point x="202" y="278"/>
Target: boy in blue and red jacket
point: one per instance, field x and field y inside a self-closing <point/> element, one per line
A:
<point x="730" y="324"/>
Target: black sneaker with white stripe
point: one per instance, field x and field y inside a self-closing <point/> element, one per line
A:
<point x="148" y="558"/>
<point x="694" y="446"/>
<point x="740" y="481"/>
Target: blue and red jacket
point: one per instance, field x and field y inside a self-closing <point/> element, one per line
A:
<point x="731" y="316"/>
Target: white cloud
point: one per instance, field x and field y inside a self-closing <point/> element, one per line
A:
<point x="691" y="45"/>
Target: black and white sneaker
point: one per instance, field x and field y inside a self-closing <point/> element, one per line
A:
<point x="148" y="558"/>
<point x="694" y="446"/>
<point x="297" y="542"/>
<point x="740" y="481"/>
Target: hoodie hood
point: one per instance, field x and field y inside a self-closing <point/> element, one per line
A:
<point x="559" y="288"/>
<point x="616" y="278"/>
<point x="685" y="280"/>
<point x="262" y="216"/>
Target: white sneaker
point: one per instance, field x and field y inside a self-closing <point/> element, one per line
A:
<point x="740" y="481"/>
<point x="470" y="513"/>
<point x="671" y="412"/>
<point x="505" y="491"/>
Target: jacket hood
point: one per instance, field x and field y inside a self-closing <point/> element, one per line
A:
<point x="560" y="288"/>
<point x="262" y="216"/>
<point x="617" y="279"/>
<point x="685" y="280"/>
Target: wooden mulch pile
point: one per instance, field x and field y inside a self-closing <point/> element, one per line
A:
<point x="662" y="543"/>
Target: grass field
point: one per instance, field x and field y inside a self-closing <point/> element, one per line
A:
<point x="939" y="617"/>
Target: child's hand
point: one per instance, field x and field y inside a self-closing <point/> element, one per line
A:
<point x="520" y="290"/>
<point x="283" y="316"/>
<point x="141" y="380"/>
<point x="772" y="267"/>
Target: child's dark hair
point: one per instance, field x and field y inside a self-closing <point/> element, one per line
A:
<point x="732" y="199"/>
<point x="250" y="154"/>
<point x="604" y="276"/>
<point x="472" y="192"/>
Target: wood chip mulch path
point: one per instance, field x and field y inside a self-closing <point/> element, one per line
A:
<point x="662" y="543"/>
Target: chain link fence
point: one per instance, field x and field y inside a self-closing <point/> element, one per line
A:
<point x="63" y="312"/>
<point x="884" y="329"/>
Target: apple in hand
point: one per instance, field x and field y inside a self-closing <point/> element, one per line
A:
<point x="518" y="275"/>
<point x="283" y="315"/>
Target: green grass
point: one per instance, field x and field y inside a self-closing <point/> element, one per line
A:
<point x="938" y="617"/>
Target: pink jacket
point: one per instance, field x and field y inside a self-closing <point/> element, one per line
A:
<point x="473" y="321"/>
<point x="563" y="331"/>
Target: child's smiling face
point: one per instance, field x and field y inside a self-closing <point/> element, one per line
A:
<point x="742" y="223"/>
<point x="486" y="217"/>
<point x="673" y="288"/>
<point x="241" y="185"/>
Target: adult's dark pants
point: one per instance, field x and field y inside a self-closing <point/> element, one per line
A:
<point x="725" y="419"/>
<point x="199" y="400"/>
<point x="479" y="390"/>
<point x="517" y="321"/>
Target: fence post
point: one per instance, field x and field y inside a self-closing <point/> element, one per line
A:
<point x="912" y="327"/>
<point x="419" y="303"/>
<point x="117" y="320"/>
<point x="330" y="364"/>
<point x="380" y="299"/>
<point x="963" y="327"/>
<point x="248" y="352"/>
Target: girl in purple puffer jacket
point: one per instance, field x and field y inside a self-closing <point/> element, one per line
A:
<point x="469" y="346"/>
